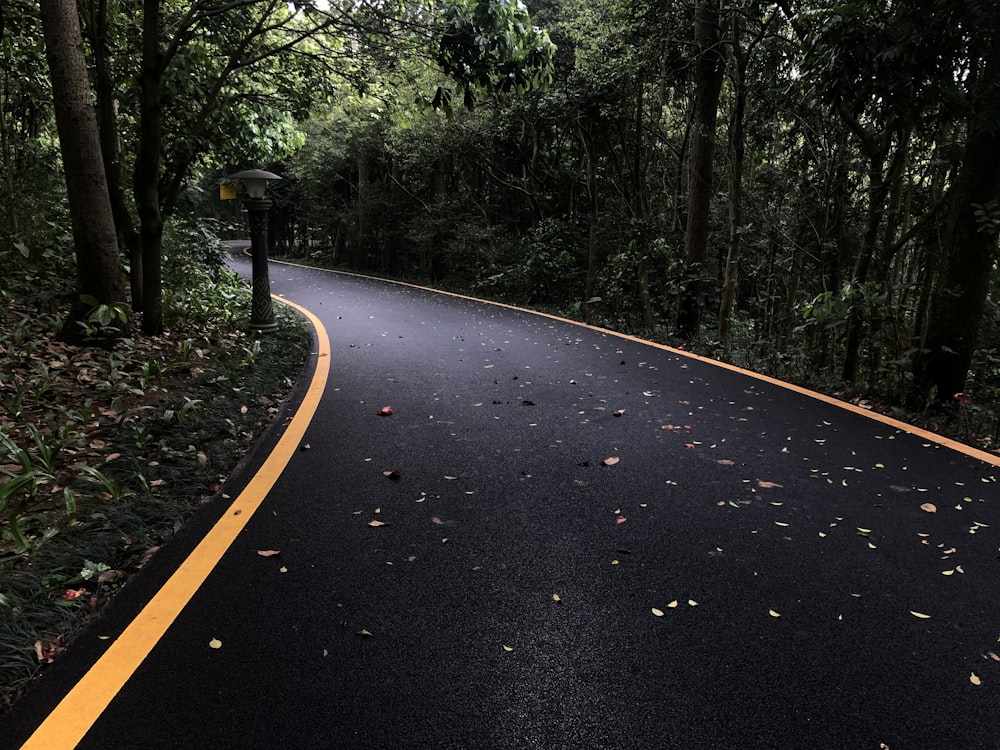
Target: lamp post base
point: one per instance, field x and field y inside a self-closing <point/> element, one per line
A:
<point x="262" y="311"/>
<point x="263" y="326"/>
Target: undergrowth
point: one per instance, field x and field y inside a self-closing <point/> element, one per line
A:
<point x="105" y="453"/>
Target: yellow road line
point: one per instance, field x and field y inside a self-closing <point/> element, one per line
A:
<point x="74" y="716"/>
<point x="968" y="450"/>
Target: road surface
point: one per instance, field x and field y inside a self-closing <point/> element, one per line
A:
<point x="559" y="538"/>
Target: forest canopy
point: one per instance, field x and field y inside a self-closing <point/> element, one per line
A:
<point x="806" y="188"/>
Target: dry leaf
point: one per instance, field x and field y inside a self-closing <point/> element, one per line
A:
<point x="621" y="519"/>
<point x="268" y="552"/>
<point x="929" y="507"/>
<point x="724" y="461"/>
<point x="692" y="603"/>
<point x="768" y="485"/>
<point x="672" y="604"/>
<point x="508" y="648"/>
<point x="364" y="633"/>
<point x="215" y="643"/>
<point x="611" y="461"/>
<point x="385" y="411"/>
<point x="394" y="475"/>
<point x="556" y="598"/>
<point x="921" y="615"/>
<point x="376" y="523"/>
<point x="773" y="613"/>
<point x="974" y="679"/>
<point x="48" y="652"/>
<point x="657" y="612"/>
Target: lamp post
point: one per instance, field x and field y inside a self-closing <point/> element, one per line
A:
<point x="257" y="206"/>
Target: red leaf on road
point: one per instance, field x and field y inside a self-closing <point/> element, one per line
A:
<point x="385" y="411"/>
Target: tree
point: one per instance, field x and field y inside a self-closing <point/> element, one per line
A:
<point x="970" y="249"/>
<point x="709" y="74"/>
<point x="98" y="267"/>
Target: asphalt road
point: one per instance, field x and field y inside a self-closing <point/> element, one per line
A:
<point x="586" y="542"/>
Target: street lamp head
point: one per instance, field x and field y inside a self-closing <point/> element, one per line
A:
<point x="255" y="181"/>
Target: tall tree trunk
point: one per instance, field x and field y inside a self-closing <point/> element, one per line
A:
<point x="593" y="247"/>
<point x="709" y="71"/>
<point x="111" y="142"/>
<point x="737" y="150"/>
<point x="960" y="299"/>
<point x="146" y="176"/>
<point x="98" y="267"/>
<point x="640" y="200"/>
<point x="363" y="241"/>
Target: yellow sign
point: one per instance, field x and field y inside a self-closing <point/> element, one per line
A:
<point x="227" y="192"/>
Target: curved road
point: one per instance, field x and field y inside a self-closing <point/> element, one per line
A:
<point x="587" y="541"/>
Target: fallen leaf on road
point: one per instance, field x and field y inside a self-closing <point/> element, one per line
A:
<point x="724" y="462"/>
<point x="672" y="604"/>
<point x="376" y="523"/>
<point x="974" y="679"/>
<point x="621" y="519"/>
<point x="556" y="598"/>
<point x="921" y="615"/>
<point x="436" y="520"/>
<point x="618" y="413"/>
<point x="364" y="633"/>
<point x="215" y="643"/>
<point x="929" y="507"/>
<point x="611" y="461"/>
<point x="768" y="485"/>
<point x="508" y="648"/>
<point x="394" y="475"/>
<point x="657" y="612"/>
<point x="268" y="552"/>
<point x="385" y="411"/>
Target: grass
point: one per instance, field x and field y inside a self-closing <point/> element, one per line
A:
<point x="104" y="454"/>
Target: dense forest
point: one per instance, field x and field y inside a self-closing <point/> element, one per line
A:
<point x="810" y="189"/>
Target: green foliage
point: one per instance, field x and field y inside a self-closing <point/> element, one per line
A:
<point x="490" y="46"/>
<point x="198" y="288"/>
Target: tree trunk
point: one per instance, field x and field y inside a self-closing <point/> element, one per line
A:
<point x="98" y="267"/>
<point x="960" y="299"/>
<point x="710" y="67"/>
<point x="737" y="150"/>
<point x="111" y="144"/>
<point x="145" y="181"/>
<point x="593" y="247"/>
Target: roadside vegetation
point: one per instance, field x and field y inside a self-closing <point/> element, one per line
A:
<point x="106" y="451"/>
